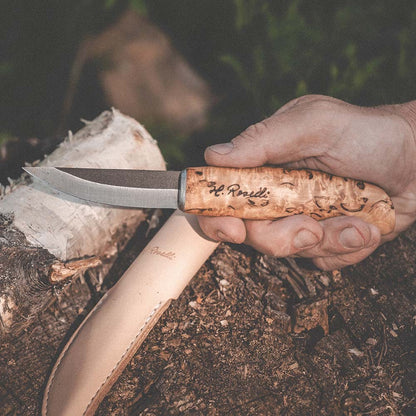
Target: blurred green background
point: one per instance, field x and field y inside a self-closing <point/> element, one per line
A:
<point x="255" y="56"/>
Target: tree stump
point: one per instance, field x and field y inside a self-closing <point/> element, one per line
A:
<point x="47" y="237"/>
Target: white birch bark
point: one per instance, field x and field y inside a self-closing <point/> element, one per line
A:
<point x="43" y="232"/>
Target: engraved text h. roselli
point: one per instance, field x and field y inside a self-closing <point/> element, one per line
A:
<point x="236" y="190"/>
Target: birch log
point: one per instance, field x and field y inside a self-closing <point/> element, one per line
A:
<point x="47" y="238"/>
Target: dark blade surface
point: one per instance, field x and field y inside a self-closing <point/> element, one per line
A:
<point x="131" y="178"/>
<point x="121" y="187"/>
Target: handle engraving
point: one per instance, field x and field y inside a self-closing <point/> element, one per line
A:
<point x="236" y="191"/>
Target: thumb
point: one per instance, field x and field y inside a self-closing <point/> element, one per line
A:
<point x="304" y="129"/>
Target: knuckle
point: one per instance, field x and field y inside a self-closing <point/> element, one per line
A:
<point x="270" y="247"/>
<point x="300" y="102"/>
<point x="314" y="102"/>
<point x="310" y="97"/>
<point x="323" y="104"/>
<point x="254" y="132"/>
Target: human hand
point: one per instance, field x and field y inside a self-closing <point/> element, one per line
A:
<point x="376" y="145"/>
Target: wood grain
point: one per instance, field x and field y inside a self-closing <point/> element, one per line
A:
<point x="272" y="193"/>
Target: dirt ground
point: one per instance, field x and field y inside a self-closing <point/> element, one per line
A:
<point x="251" y="335"/>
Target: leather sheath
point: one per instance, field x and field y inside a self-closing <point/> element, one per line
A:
<point x="112" y="332"/>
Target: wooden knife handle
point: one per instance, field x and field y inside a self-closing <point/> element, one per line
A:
<point x="271" y="193"/>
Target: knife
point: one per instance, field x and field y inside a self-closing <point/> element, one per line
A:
<point x="250" y="193"/>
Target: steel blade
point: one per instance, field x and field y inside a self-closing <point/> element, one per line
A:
<point x="119" y="187"/>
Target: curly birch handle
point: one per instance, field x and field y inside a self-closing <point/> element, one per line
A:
<point x="271" y="193"/>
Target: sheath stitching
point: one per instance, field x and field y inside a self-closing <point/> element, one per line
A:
<point x="125" y="352"/>
<point x="54" y="371"/>
<point x="58" y="363"/>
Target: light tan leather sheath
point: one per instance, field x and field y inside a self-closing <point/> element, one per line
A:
<point x="109" y="336"/>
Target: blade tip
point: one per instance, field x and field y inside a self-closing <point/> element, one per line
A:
<point x="35" y="171"/>
<point x="28" y="169"/>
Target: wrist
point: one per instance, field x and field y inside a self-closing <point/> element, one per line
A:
<point x="407" y="112"/>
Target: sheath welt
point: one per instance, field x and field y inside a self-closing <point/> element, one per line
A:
<point x="130" y="351"/>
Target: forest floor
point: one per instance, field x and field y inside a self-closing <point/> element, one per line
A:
<point x="250" y="335"/>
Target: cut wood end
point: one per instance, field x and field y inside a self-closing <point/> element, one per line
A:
<point x="59" y="272"/>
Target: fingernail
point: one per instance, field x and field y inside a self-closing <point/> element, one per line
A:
<point x="305" y="239"/>
<point x="351" y="238"/>
<point x="222" y="148"/>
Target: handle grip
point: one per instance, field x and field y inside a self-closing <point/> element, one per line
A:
<point x="272" y="193"/>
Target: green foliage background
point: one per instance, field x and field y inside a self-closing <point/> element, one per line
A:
<point x="255" y="54"/>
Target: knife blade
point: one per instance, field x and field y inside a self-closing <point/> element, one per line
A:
<point x="119" y="187"/>
<point x="248" y="193"/>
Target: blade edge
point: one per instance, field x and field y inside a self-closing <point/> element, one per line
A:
<point x="113" y="195"/>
